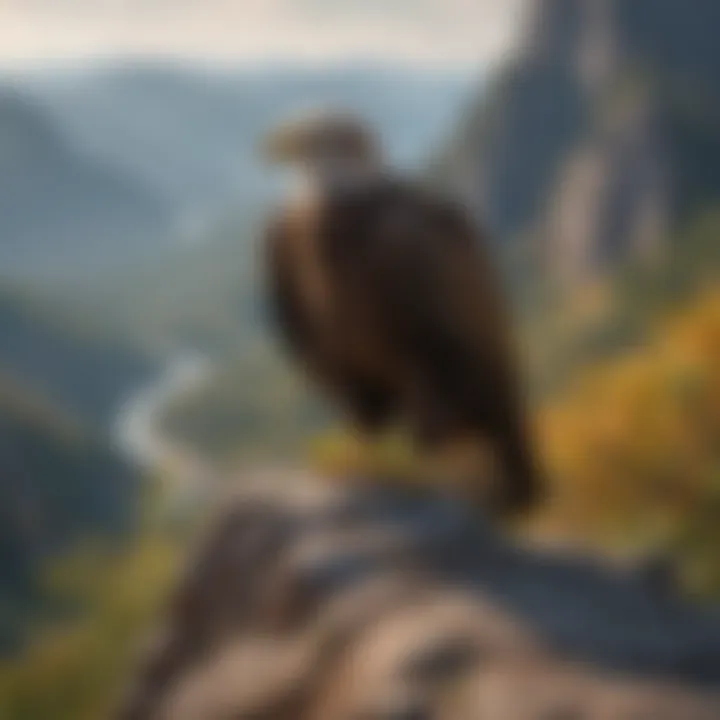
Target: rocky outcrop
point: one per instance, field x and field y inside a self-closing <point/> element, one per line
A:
<point x="324" y="603"/>
<point x="602" y="135"/>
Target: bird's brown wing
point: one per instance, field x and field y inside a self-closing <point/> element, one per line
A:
<point x="444" y="311"/>
<point x="316" y="317"/>
<point x="437" y="284"/>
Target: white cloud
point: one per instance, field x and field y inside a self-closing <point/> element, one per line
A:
<point x="431" y="32"/>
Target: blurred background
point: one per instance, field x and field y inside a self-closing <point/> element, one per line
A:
<point x="135" y="363"/>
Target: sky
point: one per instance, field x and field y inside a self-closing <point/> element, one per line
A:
<point x="433" y="33"/>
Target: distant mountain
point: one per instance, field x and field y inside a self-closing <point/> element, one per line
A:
<point x="60" y="210"/>
<point x="601" y="137"/>
<point x="191" y="134"/>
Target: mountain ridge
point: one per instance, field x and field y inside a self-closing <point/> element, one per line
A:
<point x="600" y="138"/>
<point x="61" y="211"/>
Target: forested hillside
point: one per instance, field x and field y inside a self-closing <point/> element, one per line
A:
<point x="61" y="211"/>
<point x="60" y="481"/>
<point x="59" y="484"/>
<point x="85" y="374"/>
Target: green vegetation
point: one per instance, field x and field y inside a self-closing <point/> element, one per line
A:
<point x="58" y="484"/>
<point x="60" y="480"/>
<point x="77" y="670"/>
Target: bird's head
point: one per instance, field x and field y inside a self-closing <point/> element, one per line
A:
<point x="323" y="140"/>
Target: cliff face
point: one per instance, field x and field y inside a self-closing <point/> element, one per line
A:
<point x="604" y="132"/>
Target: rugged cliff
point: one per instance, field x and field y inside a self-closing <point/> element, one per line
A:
<point x="602" y="135"/>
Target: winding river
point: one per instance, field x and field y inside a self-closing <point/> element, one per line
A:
<point x="137" y="431"/>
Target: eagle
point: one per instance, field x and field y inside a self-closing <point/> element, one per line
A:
<point x="385" y="293"/>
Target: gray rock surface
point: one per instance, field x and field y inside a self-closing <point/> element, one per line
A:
<point x="597" y="141"/>
<point x="325" y="603"/>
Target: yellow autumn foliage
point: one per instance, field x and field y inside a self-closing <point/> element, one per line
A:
<point x="633" y="447"/>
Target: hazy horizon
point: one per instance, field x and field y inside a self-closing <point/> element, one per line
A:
<point x="440" y="34"/>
